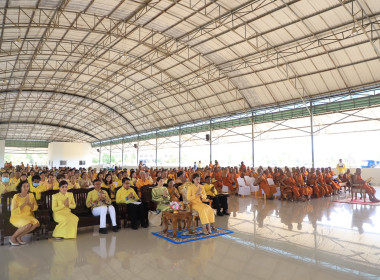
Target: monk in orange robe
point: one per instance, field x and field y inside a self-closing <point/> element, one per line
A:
<point x="305" y="189"/>
<point x="292" y="183"/>
<point x="369" y="189"/>
<point x="263" y="185"/>
<point x="329" y="180"/>
<point x="286" y="190"/>
<point x="312" y="182"/>
<point x="242" y="167"/>
<point x="226" y="179"/>
<point x="218" y="184"/>
<point x="322" y="183"/>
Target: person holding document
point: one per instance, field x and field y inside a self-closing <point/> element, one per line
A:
<point x="136" y="210"/>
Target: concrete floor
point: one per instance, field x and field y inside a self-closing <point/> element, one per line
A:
<point x="319" y="239"/>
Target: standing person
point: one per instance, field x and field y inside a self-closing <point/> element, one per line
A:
<point x="199" y="165"/>
<point x="100" y="204"/>
<point x="195" y="165"/>
<point x="341" y="167"/>
<point x="195" y="194"/>
<point x="22" y="216"/>
<point x="62" y="204"/>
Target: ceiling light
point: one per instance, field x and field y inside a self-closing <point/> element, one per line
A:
<point x="124" y="55"/>
<point x="354" y="31"/>
<point x="18" y="40"/>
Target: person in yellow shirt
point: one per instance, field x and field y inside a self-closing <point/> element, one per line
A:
<point x="341" y="167"/>
<point x="133" y="178"/>
<point x="22" y="217"/>
<point x="16" y="179"/>
<point x="37" y="187"/>
<point x="100" y="204"/>
<point x="73" y="184"/>
<point x="219" y="201"/>
<point x="136" y="211"/>
<point x="61" y="205"/>
<point x="51" y="183"/>
<point x="195" y="195"/>
<point x="5" y="185"/>
<point x="109" y="184"/>
<point x="84" y="181"/>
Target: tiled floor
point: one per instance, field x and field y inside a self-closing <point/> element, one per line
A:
<point x="319" y="239"/>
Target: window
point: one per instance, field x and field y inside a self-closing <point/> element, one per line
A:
<point x="82" y="162"/>
<point x="63" y="162"/>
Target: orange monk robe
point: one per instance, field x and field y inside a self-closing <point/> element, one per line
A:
<point x="226" y="179"/>
<point x="171" y="176"/>
<point x="305" y="190"/>
<point x="322" y="184"/>
<point x="292" y="183"/>
<point x="211" y="165"/>
<point x="369" y="189"/>
<point x="312" y="181"/>
<point x="141" y="182"/>
<point x="218" y="180"/>
<point x="243" y="167"/>
<point x="330" y="181"/>
<point x="276" y="177"/>
<point x="268" y="190"/>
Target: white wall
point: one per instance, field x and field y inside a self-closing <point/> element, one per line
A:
<point x="2" y="152"/>
<point x="70" y="152"/>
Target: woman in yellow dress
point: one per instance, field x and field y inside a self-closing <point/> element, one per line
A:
<point x="22" y="217"/>
<point x="195" y="194"/>
<point x="61" y="205"/>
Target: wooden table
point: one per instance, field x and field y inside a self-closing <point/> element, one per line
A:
<point x="175" y="217"/>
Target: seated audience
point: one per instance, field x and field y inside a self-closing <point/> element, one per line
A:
<point x="136" y="210"/>
<point x="196" y="194"/>
<point x="100" y="204"/>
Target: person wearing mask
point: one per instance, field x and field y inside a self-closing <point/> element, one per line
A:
<point x="5" y="185"/>
<point x="36" y="187"/>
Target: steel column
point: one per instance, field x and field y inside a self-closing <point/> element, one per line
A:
<point x="210" y="139"/>
<point x="179" y="146"/>
<point x="253" y="141"/>
<point x="312" y="134"/>
<point x="100" y="152"/>
<point x="122" y="153"/>
<point x="156" y="149"/>
<point x="138" y="147"/>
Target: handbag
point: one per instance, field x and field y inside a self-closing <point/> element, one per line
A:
<point x="154" y="218"/>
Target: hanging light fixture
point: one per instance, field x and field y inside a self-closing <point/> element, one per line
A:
<point x="354" y="31"/>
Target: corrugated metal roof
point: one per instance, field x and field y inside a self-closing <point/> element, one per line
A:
<point x="104" y="69"/>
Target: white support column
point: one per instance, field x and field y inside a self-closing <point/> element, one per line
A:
<point x="2" y="153"/>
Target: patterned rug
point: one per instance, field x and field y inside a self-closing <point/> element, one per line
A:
<point x="184" y="236"/>
<point x="357" y="201"/>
